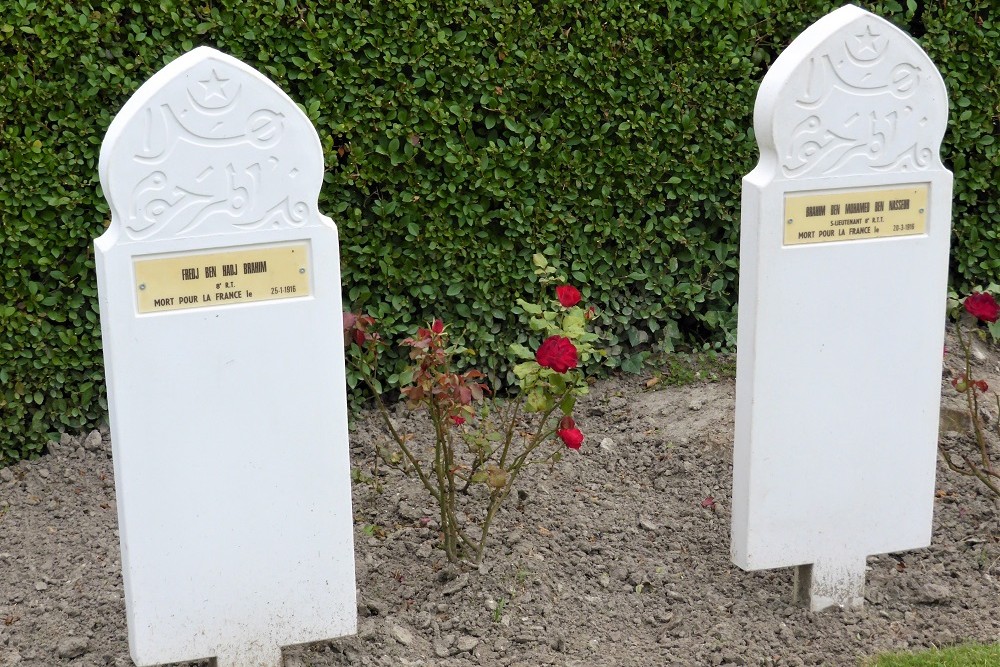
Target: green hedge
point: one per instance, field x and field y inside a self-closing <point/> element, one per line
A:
<point x="461" y="137"/>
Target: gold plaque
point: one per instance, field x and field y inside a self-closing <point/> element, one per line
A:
<point x="221" y="278"/>
<point x="874" y="213"/>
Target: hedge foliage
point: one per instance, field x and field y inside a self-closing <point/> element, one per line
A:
<point x="461" y="137"/>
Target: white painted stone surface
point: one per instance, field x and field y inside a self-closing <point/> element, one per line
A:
<point x="840" y="342"/>
<point x="229" y="420"/>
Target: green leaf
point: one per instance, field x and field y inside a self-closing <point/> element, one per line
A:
<point x="634" y="363"/>
<point x="537" y="401"/>
<point x="574" y="323"/>
<point x="526" y="369"/>
<point x="521" y="351"/>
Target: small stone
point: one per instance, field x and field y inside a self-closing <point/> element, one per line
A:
<point x="6" y="475"/>
<point x="425" y="550"/>
<point x="978" y="349"/>
<point x="10" y="658"/>
<point x="458" y="584"/>
<point x="43" y="473"/>
<point x="465" y="644"/>
<point x="72" y="647"/>
<point x="371" y="607"/>
<point x="93" y="441"/>
<point x="646" y="524"/>
<point x="41" y="586"/>
<point x="366" y="630"/>
<point x="401" y="634"/>
<point x="954" y="420"/>
<point x="441" y="649"/>
<point x="604" y="579"/>
<point x="696" y="404"/>
<point x="80" y="453"/>
<point x="931" y="593"/>
<point x="409" y="512"/>
<point x="607" y="445"/>
<point x="637" y="578"/>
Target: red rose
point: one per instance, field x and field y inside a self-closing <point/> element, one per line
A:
<point x="568" y="295"/>
<point x="557" y="353"/>
<point x="458" y="420"/>
<point x="983" y="306"/>
<point x="572" y="437"/>
<point x="437" y="327"/>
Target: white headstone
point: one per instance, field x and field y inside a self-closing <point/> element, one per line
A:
<point x="843" y="278"/>
<point x="222" y="326"/>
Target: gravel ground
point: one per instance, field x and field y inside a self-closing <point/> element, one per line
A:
<point x="615" y="556"/>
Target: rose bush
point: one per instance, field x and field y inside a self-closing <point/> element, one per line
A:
<point x="981" y="307"/>
<point x="481" y="443"/>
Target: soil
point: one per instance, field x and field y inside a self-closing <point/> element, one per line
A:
<point x="618" y="555"/>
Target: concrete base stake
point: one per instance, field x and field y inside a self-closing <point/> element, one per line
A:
<point x="829" y="583"/>
<point x="254" y="658"/>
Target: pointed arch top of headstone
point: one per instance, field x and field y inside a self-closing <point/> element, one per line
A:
<point x="852" y="95"/>
<point x="209" y="145"/>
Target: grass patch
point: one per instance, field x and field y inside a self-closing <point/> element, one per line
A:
<point x="970" y="655"/>
<point x="678" y="369"/>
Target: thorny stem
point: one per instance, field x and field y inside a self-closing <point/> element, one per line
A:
<point x="972" y="399"/>
<point x="982" y="475"/>
<point x="539" y="437"/>
<point x="496" y="497"/>
<point x="446" y="500"/>
<point x="400" y="440"/>
<point x="499" y="495"/>
<point x="984" y="470"/>
<point x="508" y="417"/>
<point x="508" y="436"/>
<point x="480" y="459"/>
